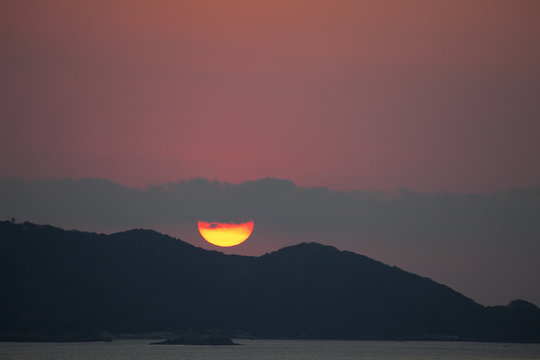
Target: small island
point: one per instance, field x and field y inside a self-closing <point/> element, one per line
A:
<point x="197" y="339"/>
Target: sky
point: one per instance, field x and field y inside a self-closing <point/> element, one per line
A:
<point x="428" y="95"/>
<point x="384" y="98"/>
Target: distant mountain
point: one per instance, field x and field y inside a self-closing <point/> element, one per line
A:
<point x="61" y="284"/>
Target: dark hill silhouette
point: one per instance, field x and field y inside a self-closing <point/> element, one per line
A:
<point x="57" y="284"/>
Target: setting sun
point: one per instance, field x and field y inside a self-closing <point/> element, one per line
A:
<point x="225" y="234"/>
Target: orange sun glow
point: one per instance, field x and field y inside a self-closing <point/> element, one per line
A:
<point x="225" y="234"/>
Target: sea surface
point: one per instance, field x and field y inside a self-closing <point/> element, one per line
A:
<point x="270" y="349"/>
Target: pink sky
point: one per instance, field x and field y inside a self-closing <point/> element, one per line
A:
<point x="371" y="95"/>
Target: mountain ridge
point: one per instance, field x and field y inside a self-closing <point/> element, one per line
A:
<point x="59" y="281"/>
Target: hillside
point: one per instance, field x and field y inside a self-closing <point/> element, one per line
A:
<point x="68" y="283"/>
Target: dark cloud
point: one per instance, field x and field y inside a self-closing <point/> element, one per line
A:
<point x="485" y="245"/>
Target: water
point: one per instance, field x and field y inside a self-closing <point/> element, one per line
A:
<point x="271" y="349"/>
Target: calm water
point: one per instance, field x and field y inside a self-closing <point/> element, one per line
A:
<point x="270" y="349"/>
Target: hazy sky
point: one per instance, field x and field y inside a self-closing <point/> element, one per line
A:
<point x="333" y="95"/>
<point x="429" y="95"/>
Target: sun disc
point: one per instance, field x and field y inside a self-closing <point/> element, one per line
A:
<point x="225" y="234"/>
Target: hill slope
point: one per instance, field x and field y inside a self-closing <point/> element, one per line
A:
<point x="57" y="282"/>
